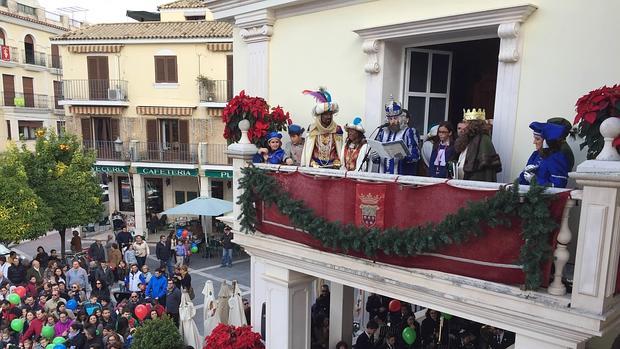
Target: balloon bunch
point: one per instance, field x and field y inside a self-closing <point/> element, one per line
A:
<point x="182" y="233"/>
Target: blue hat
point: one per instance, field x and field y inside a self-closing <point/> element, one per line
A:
<point x="274" y="134"/>
<point x="548" y="131"/>
<point x="392" y="109"/>
<point x="295" y="130"/>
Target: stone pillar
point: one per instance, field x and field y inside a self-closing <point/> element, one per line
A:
<point x="598" y="244"/>
<point x="112" y="195"/>
<point x="526" y="342"/>
<point x="289" y="296"/>
<point x="374" y="101"/>
<point x="139" y="201"/>
<point x="341" y="303"/>
<point x="256" y="30"/>
<point x="205" y="190"/>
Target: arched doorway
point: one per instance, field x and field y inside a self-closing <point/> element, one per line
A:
<point x="29" y="49"/>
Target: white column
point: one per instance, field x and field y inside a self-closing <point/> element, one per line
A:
<point x="289" y="296"/>
<point x="341" y="304"/>
<point x="259" y="291"/>
<point x="139" y="202"/>
<point x="598" y="243"/>
<point x="256" y="30"/>
<point x="112" y="194"/>
<point x="205" y="190"/>
<point x="525" y="342"/>
<point x="375" y="49"/>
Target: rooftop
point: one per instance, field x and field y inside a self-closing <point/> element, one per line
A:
<point x="151" y="30"/>
<point x="182" y="4"/>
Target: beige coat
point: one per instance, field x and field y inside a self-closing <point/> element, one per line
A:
<point x="142" y="250"/>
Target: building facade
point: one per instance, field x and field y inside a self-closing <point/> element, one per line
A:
<point x="147" y="98"/>
<point x="31" y="69"/>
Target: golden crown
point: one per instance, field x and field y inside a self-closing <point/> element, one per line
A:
<point x="369" y="199"/>
<point x="474" y="114"/>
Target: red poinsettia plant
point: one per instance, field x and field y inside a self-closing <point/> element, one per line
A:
<point x="262" y="118"/>
<point x="592" y="109"/>
<point x="232" y="337"/>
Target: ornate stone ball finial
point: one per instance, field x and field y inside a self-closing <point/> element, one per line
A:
<point x="244" y="126"/>
<point x="610" y="129"/>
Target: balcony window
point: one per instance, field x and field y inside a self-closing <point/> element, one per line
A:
<point x="166" y="69"/>
<point x="29" y="10"/>
<point x="8" y="130"/>
<point x="169" y="129"/>
<point x="27" y="129"/>
<point x="60" y="127"/>
<point x="2" y="37"/>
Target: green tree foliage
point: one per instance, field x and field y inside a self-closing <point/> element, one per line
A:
<point x="59" y="171"/>
<point x="23" y="214"/>
<point x="159" y="333"/>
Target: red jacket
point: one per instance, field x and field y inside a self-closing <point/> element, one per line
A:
<point x="34" y="328"/>
<point x="31" y="290"/>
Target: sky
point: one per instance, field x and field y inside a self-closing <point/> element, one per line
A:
<point x="97" y="11"/>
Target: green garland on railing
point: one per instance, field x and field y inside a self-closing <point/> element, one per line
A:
<point x="531" y="207"/>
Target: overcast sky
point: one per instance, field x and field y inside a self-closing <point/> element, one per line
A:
<point x="102" y="11"/>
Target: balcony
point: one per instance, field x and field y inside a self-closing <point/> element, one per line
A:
<point x="10" y="56"/>
<point x="178" y="153"/>
<point x="106" y="150"/>
<point x="34" y="60"/>
<point x="95" y="91"/>
<point x="55" y="61"/>
<point x="215" y="93"/>
<point x="213" y="154"/>
<point x="25" y="100"/>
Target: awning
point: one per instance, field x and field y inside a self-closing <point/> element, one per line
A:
<point x="214" y="112"/>
<point x="95" y="48"/>
<point x="95" y="110"/>
<point x="220" y="46"/>
<point x="202" y="206"/>
<point x="155" y="110"/>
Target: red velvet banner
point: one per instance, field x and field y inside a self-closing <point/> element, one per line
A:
<point x="491" y="256"/>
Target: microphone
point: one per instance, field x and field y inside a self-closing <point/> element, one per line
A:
<point x="384" y="125"/>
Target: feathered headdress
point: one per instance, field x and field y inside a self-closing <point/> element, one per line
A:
<point x="324" y="101"/>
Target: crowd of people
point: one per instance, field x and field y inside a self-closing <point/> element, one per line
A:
<point x="467" y="153"/>
<point x="95" y="302"/>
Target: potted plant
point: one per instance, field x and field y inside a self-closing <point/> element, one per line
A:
<point x="232" y="337"/>
<point x="262" y="118"/>
<point x="157" y="333"/>
<point x="207" y="85"/>
<point x="592" y="109"/>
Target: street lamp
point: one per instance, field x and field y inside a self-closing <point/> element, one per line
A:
<point x="118" y="145"/>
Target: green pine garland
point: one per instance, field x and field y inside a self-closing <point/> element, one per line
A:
<point x="495" y="211"/>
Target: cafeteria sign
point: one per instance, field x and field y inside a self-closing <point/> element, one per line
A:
<point x="223" y="174"/>
<point x="189" y="172"/>
<point x="110" y="169"/>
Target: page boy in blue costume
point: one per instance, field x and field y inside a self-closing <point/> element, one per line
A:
<point x="274" y="154"/>
<point x="547" y="163"/>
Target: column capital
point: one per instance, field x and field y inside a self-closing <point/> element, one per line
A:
<point x="372" y="47"/>
<point x="255" y="26"/>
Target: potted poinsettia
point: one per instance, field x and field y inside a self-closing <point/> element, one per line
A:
<point x="592" y="109"/>
<point x="262" y="118"/>
<point x="232" y="337"/>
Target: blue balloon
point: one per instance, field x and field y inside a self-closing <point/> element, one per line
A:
<point x="72" y="304"/>
<point x="179" y="232"/>
<point x="60" y="346"/>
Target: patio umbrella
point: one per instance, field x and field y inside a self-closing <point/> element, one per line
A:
<point x="236" y="315"/>
<point x="210" y="315"/>
<point x="222" y="302"/>
<point x="201" y="206"/>
<point x="187" y="325"/>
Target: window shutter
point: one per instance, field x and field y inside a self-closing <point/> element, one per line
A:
<point x="114" y="125"/>
<point x="183" y="131"/>
<point x="171" y="69"/>
<point x="151" y="131"/>
<point x="160" y="69"/>
<point x="86" y="130"/>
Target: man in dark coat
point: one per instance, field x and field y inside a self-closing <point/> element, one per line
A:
<point x="173" y="301"/>
<point x="96" y="251"/>
<point x="367" y="339"/>
<point x="162" y="251"/>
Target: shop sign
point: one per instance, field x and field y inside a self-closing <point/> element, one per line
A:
<point x="168" y="172"/>
<point x="110" y="169"/>
<point x="223" y="174"/>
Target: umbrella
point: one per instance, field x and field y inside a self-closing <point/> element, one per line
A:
<point x="201" y="206"/>
<point x="222" y="302"/>
<point x="211" y="318"/>
<point x="187" y="325"/>
<point x="236" y="316"/>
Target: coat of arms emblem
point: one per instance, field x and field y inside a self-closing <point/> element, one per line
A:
<point x="369" y="207"/>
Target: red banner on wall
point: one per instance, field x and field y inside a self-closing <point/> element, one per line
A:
<point x="6" y="53"/>
<point x="369" y="205"/>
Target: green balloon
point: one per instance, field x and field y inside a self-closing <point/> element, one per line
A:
<point x="17" y="325"/>
<point x="409" y="335"/>
<point x="14" y="298"/>
<point x="50" y="346"/>
<point x="58" y="340"/>
<point x="446" y="316"/>
<point x="194" y="249"/>
<point x="47" y="332"/>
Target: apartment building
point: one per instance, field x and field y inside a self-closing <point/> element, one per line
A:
<point x="31" y="69"/>
<point x="147" y="97"/>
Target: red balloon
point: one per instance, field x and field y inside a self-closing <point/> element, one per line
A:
<point x="21" y="291"/>
<point x="394" y="305"/>
<point x="141" y="311"/>
<point x="148" y="308"/>
<point x="184" y="234"/>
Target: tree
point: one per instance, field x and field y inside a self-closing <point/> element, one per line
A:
<point x="157" y="333"/>
<point x="59" y="171"/>
<point x="23" y="214"/>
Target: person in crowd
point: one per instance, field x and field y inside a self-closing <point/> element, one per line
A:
<point x="77" y="293"/>
<point x="63" y="326"/>
<point x="320" y="333"/>
<point x="120" y="274"/>
<point x="477" y="159"/>
<point x="184" y="279"/>
<point x="162" y="252"/>
<point x="76" y="337"/>
<point x="52" y="303"/>
<point x="547" y="164"/>
<point x="133" y="279"/>
<point x="114" y="256"/>
<point x="247" y="310"/>
<point x="414" y="325"/>
<point x="142" y="250"/>
<point x="502" y="339"/>
<point x="173" y="301"/>
<point x="295" y="146"/>
<point x="100" y="290"/>
<point x="398" y="130"/>
<point x="375" y="305"/>
<point x="124" y="238"/>
<point x="42" y="257"/>
<point x="50" y="268"/>
<point x="274" y="154"/>
<point x="77" y="275"/>
<point x="76" y="242"/>
<point x="54" y="256"/>
<point x="156" y="288"/>
<point x="390" y="341"/>
<point x="35" y="324"/>
<point x="130" y="255"/>
<point x="321" y="305"/>
<point x="17" y="273"/>
<point x="96" y="251"/>
<point x="427" y="148"/>
<point x="443" y="151"/>
<point x="32" y="288"/>
<point x="323" y="145"/>
<point x="429" y="331"/>
<point x="564" y="147"/>
<point x="103" y="272"/>
<point x="355" y="147"/>
<point x="367" y="340"/>
<point x="4" y="266"/>
<point x="227" y="247"/>
<point x="146" y="276"/>
<point x="342" y="345"/>
<point x="180" y="253"/>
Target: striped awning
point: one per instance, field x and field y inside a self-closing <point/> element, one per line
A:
<point x="220" y="46"/>
<point x="95" y="110"/>
<point x="95" y="48"/>
<point x="156" y="110"/>
<point x="214" y="112"/>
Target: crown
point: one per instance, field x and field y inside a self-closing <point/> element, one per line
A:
<point x="474" y="114"/>
<point x="392" y="108"/>
<point x="369" y="199"/>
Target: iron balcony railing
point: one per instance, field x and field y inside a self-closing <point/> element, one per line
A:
<point x="95" y="90"/>
<point x="25" y="100"/>
<point x="106" y="150"/>
<point x="34" y="58"/>
<point x="55" y="61"/>
<point x="216" y="91"/>
<point x="174" y="152"/>
<point x="10" y="55"/>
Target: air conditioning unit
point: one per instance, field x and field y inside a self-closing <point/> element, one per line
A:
<point x="115" y="94"/>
